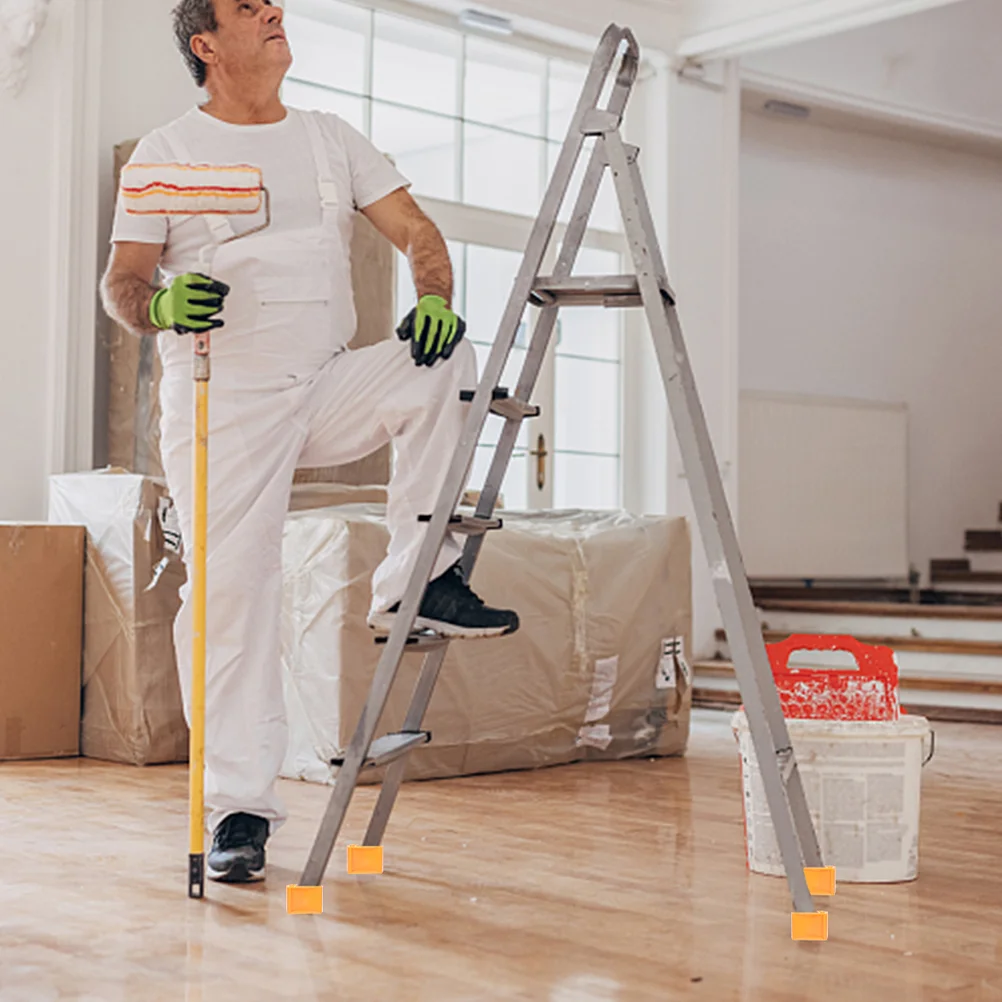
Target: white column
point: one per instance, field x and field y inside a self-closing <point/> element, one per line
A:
<point x="704" y="126"/>
<point x="73" y="251"/>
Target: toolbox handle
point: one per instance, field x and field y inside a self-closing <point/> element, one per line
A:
<point x="873" y="661"/>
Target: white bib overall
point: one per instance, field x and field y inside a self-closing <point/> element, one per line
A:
<point x="286" y="393"/>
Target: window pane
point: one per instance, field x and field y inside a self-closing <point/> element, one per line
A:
<point x="514" y="488"/>
<point x="504" y="86"/>
<point x="328" y="43"/>
<point x="501" y="171"/>
<point x="592" y="332"/>
<point x="605" y="214"/>
<point x="587" y="406"/>
<point x="585" y="481"/>
<point x="423" y="147"/>
<point x="490" y="274"/>
<point x="302" y="95"/>
<point x="566" y="81"/>
<point x="415" y="64"/>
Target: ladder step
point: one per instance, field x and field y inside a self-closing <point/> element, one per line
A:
<point x="469" y="525"/>
<point x="602" y="290"/>
<point x="384" y="750"/>
<point x="420" y="642"/>
<point x="502" y="404"/>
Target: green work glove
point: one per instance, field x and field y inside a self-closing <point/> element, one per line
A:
<point x="432" y="329"/>
<point x="190" y="303"/>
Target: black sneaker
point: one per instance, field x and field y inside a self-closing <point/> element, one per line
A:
<point x="450" y="608"/>
<point x="237" y="853"/>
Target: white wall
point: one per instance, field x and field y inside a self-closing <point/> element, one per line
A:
<point x="942" y="63"/>
<point x="870" y="269"/>
<point x="100" y="72"/>
<point x="143" y="84"/>
<point x="29" y="181"/>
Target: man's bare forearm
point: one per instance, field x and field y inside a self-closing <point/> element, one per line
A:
<point x="430" y="264"/>
<point x="126" y="300"/>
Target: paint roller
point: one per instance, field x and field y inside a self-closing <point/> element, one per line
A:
<point x="193" y="190"/>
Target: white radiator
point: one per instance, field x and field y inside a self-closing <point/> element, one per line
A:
<point x="823" y="487"/>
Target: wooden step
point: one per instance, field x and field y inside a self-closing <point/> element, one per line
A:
<point x="967" y="577"/>
<point x="713" y="688"/>
<point x="724" y="669"/>
<point x="983" y="541"/>
<point x="950" y="566"/>
<point x="904" y="610"/>
<point x="922" y="645"/>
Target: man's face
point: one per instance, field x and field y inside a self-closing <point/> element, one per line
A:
<point x="250" y="41"/>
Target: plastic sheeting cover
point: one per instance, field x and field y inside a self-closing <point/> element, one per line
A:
<point x="589" y="587"/>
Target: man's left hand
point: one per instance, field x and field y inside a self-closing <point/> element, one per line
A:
<point x="432" y="329"/>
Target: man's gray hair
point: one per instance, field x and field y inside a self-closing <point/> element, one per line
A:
<point x="193" y="17"/>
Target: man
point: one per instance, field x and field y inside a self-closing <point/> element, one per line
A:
<point x="285" y="391"/>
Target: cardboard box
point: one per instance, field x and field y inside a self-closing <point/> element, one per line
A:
<point x="41" y="620"/>
<point x="132" y="708"/>
<point x="602" y="598"/>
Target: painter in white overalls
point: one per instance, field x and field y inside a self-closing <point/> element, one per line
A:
<point x="285" y="394"/>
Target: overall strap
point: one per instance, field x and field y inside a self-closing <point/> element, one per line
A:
<point x="326" y="185"/>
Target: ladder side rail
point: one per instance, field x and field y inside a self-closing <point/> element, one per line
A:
<point x="757" y="656"/>
<point x="711" y="508"/>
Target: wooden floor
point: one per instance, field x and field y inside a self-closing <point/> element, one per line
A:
<point x="592" y="883"/>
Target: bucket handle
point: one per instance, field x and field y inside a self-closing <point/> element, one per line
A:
<point x="873" y="661"/>
<point x="932" y="748"/>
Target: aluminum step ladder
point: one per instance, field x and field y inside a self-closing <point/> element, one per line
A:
<point x="647" y="288"/>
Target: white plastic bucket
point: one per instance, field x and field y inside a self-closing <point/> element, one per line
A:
<point x="862" y="780"/>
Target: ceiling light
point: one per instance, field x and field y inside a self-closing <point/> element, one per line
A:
<point x="477" y="20"/>
<point x="787" y="108"/>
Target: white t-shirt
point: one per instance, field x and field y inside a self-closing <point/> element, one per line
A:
<point x="282" y="150"/>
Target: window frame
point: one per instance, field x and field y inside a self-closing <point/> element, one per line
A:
<point x="462" y="222"/>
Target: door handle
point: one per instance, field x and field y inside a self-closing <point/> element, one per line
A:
<point x="540" y="453"/>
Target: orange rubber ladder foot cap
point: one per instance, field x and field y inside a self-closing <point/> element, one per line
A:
<point x="304" y="900"/>
<point x="810" y="927"/>
<point x="365" y="859"/>
<point x="820" y="880"/>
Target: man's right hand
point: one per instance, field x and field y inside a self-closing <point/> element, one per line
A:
<point x="189" y="304"/>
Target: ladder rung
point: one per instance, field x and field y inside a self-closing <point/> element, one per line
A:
<point x="420" y="642"/>
<point x="384" y="750"/>
<point x="470" y="525"/>
<point x="505" y="406"/>
<point x="602" y="290"/>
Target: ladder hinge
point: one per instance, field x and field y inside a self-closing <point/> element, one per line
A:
<point x="786" y="761"/>
<point x="598" y="123"/>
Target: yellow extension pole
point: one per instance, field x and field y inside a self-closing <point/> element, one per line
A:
<point x="185" y="190"/>
<point x="196" y="748"/>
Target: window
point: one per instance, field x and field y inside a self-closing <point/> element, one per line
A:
<point x="480" y="126"/>
<point x="480" y="123"/>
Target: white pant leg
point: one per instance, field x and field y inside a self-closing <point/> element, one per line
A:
<point x="254" y="439"/>
<point x="367" y="397"/>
